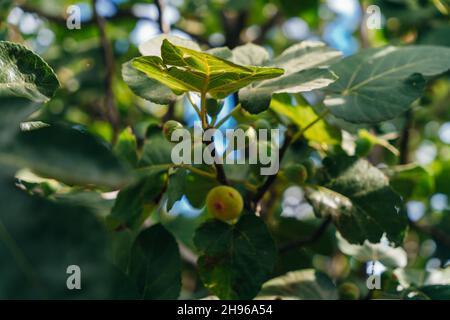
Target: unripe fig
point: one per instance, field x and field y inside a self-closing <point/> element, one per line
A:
<point x="310" y="167"/>
<point x="363" y="146"/>
<point x="296" y="173"/>
<point x="348" y="291"/>
<point x="224" y="203"/>
<point x="261" y="124"/>
<point x="169" y="127"/>
<point x="213" y="106"/>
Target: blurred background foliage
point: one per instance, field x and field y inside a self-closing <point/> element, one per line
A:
<point x="88" y="63"/>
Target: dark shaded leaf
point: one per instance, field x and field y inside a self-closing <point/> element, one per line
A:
<point x="359" y="200"/>
<point x="236" y="259"/>
<point x="155" y="264"/>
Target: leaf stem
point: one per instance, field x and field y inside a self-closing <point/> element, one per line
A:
<point x="203" y="110"/>
<point x="235" y="110"/>
<point x="198" y="171"/>
<point x="308" y="240"/>
<point x="247" y="185"/>
<point x="302" y="131"/>
<point x="197" y="110"/>
<point x="271" y="179"/>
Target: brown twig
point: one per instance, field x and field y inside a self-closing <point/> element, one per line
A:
<point x="432" y="231"/>
<point x="122" y="13"/>
<point x="108" y="59"/>
<point x="308" y="240"/>
<point x="271" y="179"/>
<point x="269" y="24"/>
<point x="221" y="177"/>
<point x="163" y="26"/>
<point x="405" y="137"/>
<point x="233" y="24"/>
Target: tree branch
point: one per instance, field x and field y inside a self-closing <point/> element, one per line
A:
<point x="269" y="24"/>
<point x="404" y="139"/>
<point x="163" y="26"/>
<point x="233" y="24"/>
<point x="271" y="179"/>
<point x="108" y="60"/>
<point x="121" y="14"/>
<point x="432" y="231"/>
<point x="308" y="240"/>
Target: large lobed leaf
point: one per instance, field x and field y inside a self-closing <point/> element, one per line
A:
<point x="380" y="84"/>
<point x="144" y="86"/>
<point x="66" y="154"/>
<point x="155" y="264"/>
<point x="358" y="198"/>
<point x="305" y="66"/>
<point x="39" y="239"/>
<point x="183" y="69"/>
<point x="235" y="259"/>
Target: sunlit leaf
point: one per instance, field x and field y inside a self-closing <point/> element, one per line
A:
<point x="301" y="114"/>
<point x="182" y="70"/>
<point x="382" y="252"/>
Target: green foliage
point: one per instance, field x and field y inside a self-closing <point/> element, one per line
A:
<point x="155" y="264"/>
<point x="87" y="177"/>
<point x="29" y="226"/>
<point x="25" y="74"/>
<point x="183" y="70"/>
<point x="382" y="252"/>
<point x="396" y="74"/>
<point x="304" y="285"/>
<point x="358" y="198"/>
<point x="66" y="154"/>
<point x="304" y="68"/>
<point x="236" y="259"/>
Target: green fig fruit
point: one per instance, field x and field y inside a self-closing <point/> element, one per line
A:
<point x="296" y="173"/>
<point x="261" y="124"/>
<point x="310" y="168"/>
<point x="363" y="146"/>
<point x="224" y="203"/>
<point x="213" y="107"/>
<point x="169" y="127"/>
<point x="349" y="291"/>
